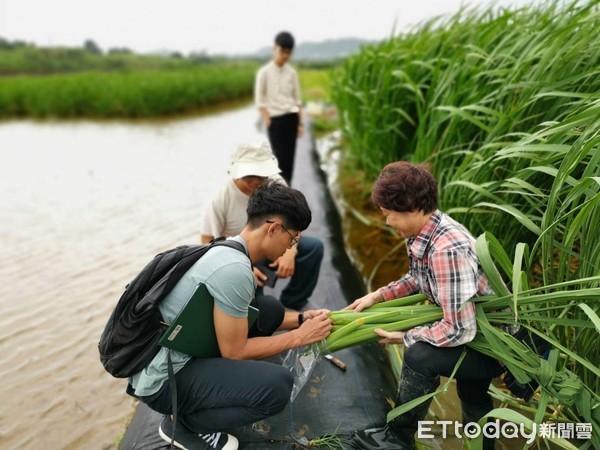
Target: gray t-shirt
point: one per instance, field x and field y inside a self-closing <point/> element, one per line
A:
<point x="227" y="273"/>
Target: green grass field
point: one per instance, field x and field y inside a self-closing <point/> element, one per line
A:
<point x="143" y="93"/>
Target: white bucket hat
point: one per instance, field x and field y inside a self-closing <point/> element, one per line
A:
<point x="253" y="159"/>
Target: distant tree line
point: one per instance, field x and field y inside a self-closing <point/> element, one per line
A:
<point x="20" y="57"/>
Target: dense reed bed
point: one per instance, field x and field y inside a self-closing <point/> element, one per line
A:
<point x="457" y="90"/>
<point x="142" y="93"/>
<point x="505" y="108"/>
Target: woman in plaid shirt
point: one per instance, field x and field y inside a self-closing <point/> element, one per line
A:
<point x="444" y="266"/>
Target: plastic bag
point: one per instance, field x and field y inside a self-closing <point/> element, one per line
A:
<point x="301" y="362"/>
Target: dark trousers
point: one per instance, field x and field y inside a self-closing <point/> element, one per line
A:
<point x="283" y="133"/>
<point x="217" y="394"/>
<point x="306" y="274"/>
<point x="472" y="378"/>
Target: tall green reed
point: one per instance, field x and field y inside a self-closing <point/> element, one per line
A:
<point x="494" y="102"/>
<point x="456" y="90"/>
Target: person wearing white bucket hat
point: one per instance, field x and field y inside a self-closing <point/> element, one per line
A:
<point x="225" y="215"/>
<point x="253" y="160"/>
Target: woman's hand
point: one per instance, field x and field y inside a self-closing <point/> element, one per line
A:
<point x="390" y="337"/>
<point x="366" y="301"/>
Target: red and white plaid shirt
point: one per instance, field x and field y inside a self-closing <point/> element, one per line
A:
<point x="443" y="265"/>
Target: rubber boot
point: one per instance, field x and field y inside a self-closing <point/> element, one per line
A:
<point x="399" y="434"/>
<point x="474" y="412"/>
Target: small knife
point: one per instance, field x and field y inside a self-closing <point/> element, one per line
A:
<point x="336" y="362"/>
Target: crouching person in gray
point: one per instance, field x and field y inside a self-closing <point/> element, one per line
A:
<point x="217" y="394"/>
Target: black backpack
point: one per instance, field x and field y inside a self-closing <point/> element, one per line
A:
<point x="130" y="338"/>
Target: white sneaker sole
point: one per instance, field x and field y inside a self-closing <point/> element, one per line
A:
<point x="162" y="434"/>
<point x="232" y="442"/>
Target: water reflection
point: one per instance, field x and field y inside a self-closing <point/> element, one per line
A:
<point x="83" y="206"/>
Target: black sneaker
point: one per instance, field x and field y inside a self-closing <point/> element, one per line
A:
<point x="383" y="438"/>
<point x="187" y="440"/>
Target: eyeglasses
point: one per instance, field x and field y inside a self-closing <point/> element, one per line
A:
<point x="294" y="240"/>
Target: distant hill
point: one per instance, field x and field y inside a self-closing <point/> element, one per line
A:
<point x="320" y="51"/>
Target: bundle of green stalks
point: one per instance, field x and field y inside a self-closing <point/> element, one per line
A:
<point x="561" y="389"/>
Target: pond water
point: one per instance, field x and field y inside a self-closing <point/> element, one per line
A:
<point x="83" y="206"/>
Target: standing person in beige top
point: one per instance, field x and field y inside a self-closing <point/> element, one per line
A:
<point x="277" y="96"/>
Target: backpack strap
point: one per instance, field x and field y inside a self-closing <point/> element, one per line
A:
<point x="173" y="390"/>
<point x="231" y="244"/>
<point x="149" y="273"/>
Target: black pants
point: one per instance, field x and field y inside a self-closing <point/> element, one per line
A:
<point x="216" y="394"/>
<point x="283" y="133"/>
<point x="473" y="376"/>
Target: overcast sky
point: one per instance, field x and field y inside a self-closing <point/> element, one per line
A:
<point x="215" y="26"/>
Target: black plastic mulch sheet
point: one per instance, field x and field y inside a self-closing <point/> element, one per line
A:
<point x="332" y="401"/>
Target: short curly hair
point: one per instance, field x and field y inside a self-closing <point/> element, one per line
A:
<point x="403" y="186"/>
